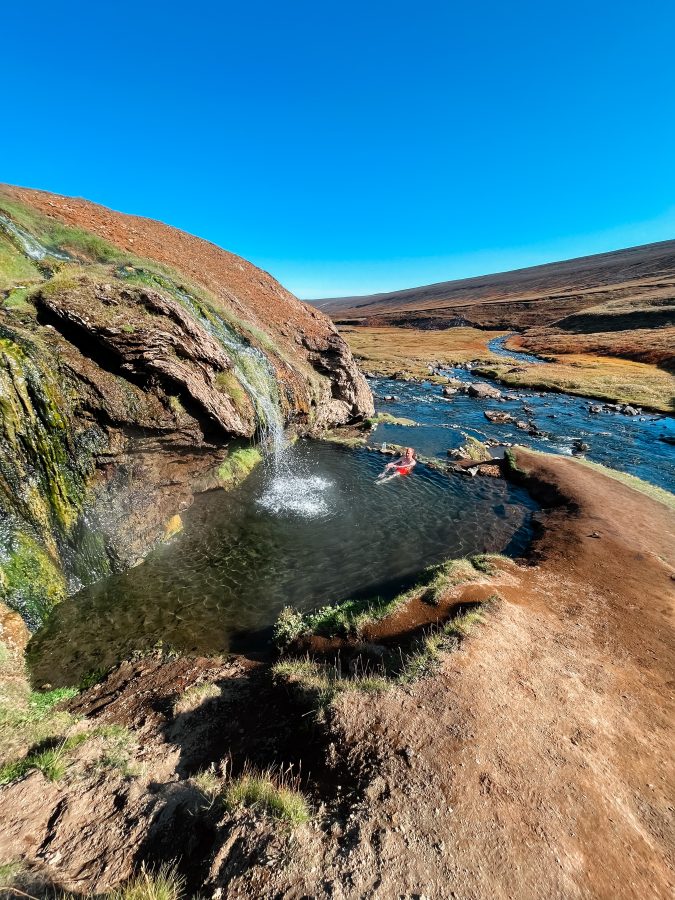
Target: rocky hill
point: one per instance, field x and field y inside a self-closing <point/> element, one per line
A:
<point x="137" y="366"/>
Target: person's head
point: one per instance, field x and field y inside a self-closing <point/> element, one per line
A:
<point x="409" y="453"/>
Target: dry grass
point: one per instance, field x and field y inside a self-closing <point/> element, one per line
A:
<point x="601" y="377"/>
<point x="387" y="350"/>
<point x="194" y="696"/>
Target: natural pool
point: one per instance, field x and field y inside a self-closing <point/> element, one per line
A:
<point x="314" y="531"/>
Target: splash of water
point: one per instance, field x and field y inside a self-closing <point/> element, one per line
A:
<point x="301" y="495"/>
<point x="30" y="246"/>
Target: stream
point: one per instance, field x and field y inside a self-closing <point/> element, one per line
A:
<point x="640" y="445"/>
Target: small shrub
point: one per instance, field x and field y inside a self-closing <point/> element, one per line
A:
<point x="289" y="626"/>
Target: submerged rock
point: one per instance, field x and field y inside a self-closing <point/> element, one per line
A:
<point x="499" y="418"/>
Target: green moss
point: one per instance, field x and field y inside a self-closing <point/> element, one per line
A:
<point x="14" y="266"/>
<point x="476" y="450"/>
<point x="30" y="580"/>
<point x="17" y="300"/>
<point x="238" y="465"/>
<point x="229" y="384"/>
<point x="387" y="419"/>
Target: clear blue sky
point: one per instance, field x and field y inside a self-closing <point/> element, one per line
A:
<point x="349" y="147"/>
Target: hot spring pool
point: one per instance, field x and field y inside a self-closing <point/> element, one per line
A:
<point x="316" y="530"/>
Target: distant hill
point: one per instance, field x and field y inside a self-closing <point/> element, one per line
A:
<point x="620" y="303"/>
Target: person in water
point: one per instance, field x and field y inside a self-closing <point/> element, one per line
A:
<point x="403" y="465"/>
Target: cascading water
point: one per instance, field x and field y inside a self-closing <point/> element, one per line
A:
<point x="287" y="490"/>
<point x="30" y="246"/>
<point x="255" y="374"/>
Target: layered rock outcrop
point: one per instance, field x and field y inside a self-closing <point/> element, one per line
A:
<point x="133" y="359"/>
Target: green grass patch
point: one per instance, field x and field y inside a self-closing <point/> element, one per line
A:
<point x="268" y="793"/>
<point x="164" y="883"/>
<point x="52" y="761"/>
<point x="351" y="617"/>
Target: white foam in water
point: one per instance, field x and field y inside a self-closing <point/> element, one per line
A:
<point x="300" y="495"/>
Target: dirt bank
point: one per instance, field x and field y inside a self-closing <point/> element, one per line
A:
<point x="534" y="762"/>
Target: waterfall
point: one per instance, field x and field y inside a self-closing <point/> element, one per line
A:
<point x="255" y="373"/>
<point x="30" y="246"/>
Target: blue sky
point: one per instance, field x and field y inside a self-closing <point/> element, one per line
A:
<point x="353" y="147"/>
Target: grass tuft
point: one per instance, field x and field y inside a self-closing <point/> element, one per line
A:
<point x="163" y="884"/>
<point x="276" y="795"/>
<point x="193" y="697"/>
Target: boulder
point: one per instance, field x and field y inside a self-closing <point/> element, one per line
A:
<point x="483" y="391"/>
<point x="499" y="418"/>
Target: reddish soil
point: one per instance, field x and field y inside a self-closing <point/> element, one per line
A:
<point x="238" y="283"/>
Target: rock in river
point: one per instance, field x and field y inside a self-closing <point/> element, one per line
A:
<point x="499" y="418"/>
<point x="484" y="391"/>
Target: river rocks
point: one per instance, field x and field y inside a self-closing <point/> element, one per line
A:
<point x="579" y="446"/>
<point x="483" y="391"/>
<point x="499" y="418"/>
<point x="625" y="408"/>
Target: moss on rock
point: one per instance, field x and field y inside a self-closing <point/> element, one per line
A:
<point x="238" y="465"/>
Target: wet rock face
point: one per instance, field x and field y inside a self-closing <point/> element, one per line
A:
<point x="153" y="342"/>
<point x="350" y="397"/>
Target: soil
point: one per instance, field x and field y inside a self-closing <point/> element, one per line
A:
<point x="535" y="762"/>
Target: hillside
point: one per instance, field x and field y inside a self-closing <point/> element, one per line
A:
<point x="620" y="303"/>
<point x="138" y="366"/>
